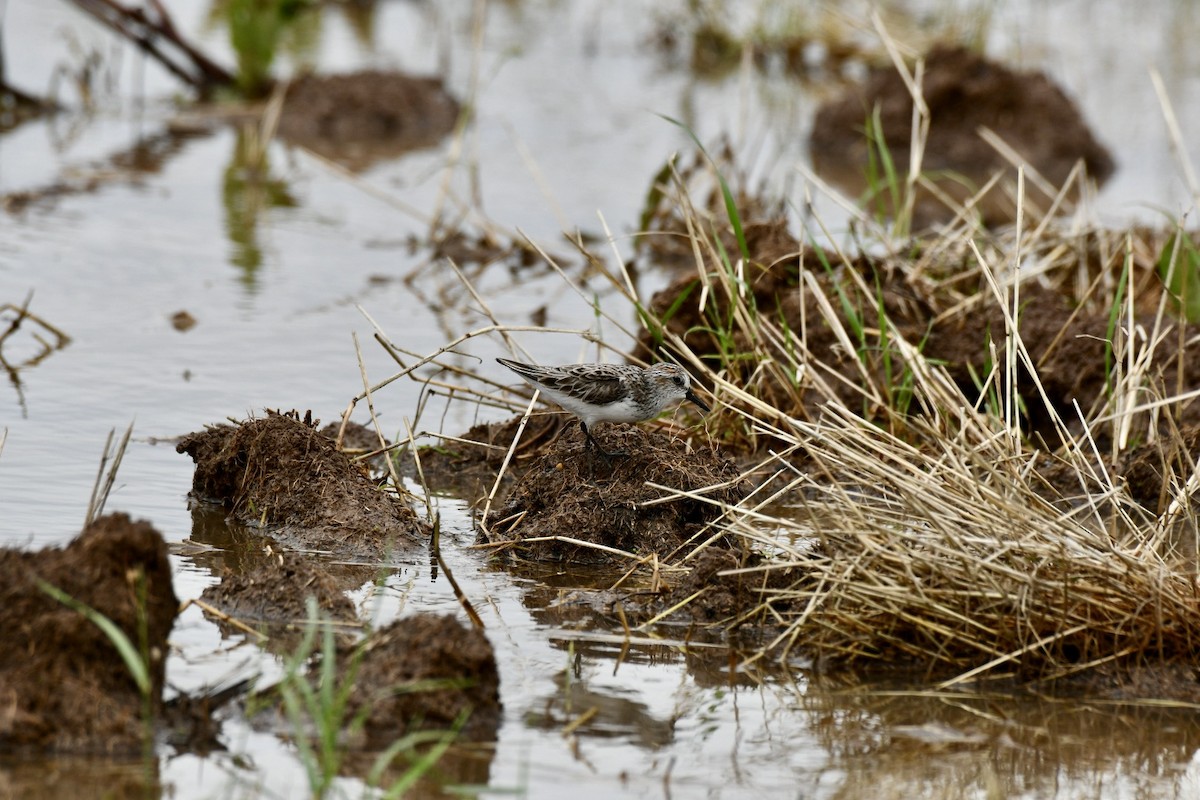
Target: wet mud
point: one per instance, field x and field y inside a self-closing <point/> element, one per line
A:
<point x="279" y="472"/>
<point x="709" y="594"/>
<point x="353" y="439"/>
<point x="424" y="672"/>
<point x="965" y="93"/>
<point x="605" y="503"/>
<point x="467" y="465"/>
<point x="63" y="685"/>
<point x="277" y="589"/>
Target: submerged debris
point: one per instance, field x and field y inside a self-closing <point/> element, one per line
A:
<point x="63" y="685"/>
<point x="590" y="506"/>
<point x="280" y="472"/>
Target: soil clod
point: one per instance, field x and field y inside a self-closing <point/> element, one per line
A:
<point x="423" y="673"/>
<point x="571" y="492"/>
<point x="63" y="685"/>
<point x="280" y="472"/>
<point x="467" y="465"/>
<point x="965" y="93"/>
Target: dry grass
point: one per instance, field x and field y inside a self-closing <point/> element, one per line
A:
<point x="923" y="528"/>
<point x="925" y="535"/>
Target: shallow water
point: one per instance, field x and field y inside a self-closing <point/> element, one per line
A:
<point x="566" y="127"/>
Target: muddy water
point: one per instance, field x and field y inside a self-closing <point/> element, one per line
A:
<point x="272" y="266"/>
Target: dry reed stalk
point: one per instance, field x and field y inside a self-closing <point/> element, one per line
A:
<point x="949" y="557"/>
<point x="952" y="560"/>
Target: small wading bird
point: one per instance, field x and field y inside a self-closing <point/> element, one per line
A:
<point x="609" y="392"/>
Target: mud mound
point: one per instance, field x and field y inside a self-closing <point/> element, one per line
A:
<point x="572" y="492"/>
<point x="467" y="466"/>
<point x="362" y="117"/>
<point x="1069" y="348"/>
<point x="965" y="92"/>
<point x="63" y="686"/>
<point x="278" y="590"/>
<point x="281" y="472"/>
<point x="422" y="649"/>
<point x="721" y="597"/>
<point x="356" y="438"/>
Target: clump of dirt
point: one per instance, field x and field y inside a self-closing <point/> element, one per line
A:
<point x="416" y="650"/>
<point x="277" y="590"/>
<point x="279" y="471"/>
<point x="965" y="93"/>
<point x="63" y="685"/>
<point x="724" y="598"/>
<point x="359" y="118"/>
<point x="467" y="465"/>
<point x="355" y="439"/>
<point x="571" y="491"/>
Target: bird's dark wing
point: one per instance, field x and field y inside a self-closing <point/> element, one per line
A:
<point x="598" y="384"/>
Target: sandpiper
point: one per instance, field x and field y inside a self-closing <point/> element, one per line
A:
<point x="609" y="392"/>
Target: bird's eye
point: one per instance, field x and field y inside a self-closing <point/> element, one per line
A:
<point x="678" y="380"/>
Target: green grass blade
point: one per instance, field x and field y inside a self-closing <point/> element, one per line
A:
<point x="1114" y="314"/>
<point x="735" y="219"/>
<point x="1179" y="267"/>
<point x="137" y="667"/>
<point x="655" y="194"/>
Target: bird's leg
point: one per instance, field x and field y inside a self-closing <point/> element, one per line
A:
<point x="589" y="441"/>
<point x="593" y="444"/>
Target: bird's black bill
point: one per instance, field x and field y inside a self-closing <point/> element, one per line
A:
<point x="692" y="396"/>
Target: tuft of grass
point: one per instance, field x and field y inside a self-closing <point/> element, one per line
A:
<point x="256" y="30"/>
<point x="884" y="193"/>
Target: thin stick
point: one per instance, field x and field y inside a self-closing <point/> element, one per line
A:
<point x="101" y="489"/>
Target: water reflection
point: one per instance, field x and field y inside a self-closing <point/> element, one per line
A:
<point x="837" y="734"/>
<point x="593" y="712"/>
<point x="41" y="340"/>
<point x="1001" y="745"/>
<point x="247" y="191"/>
